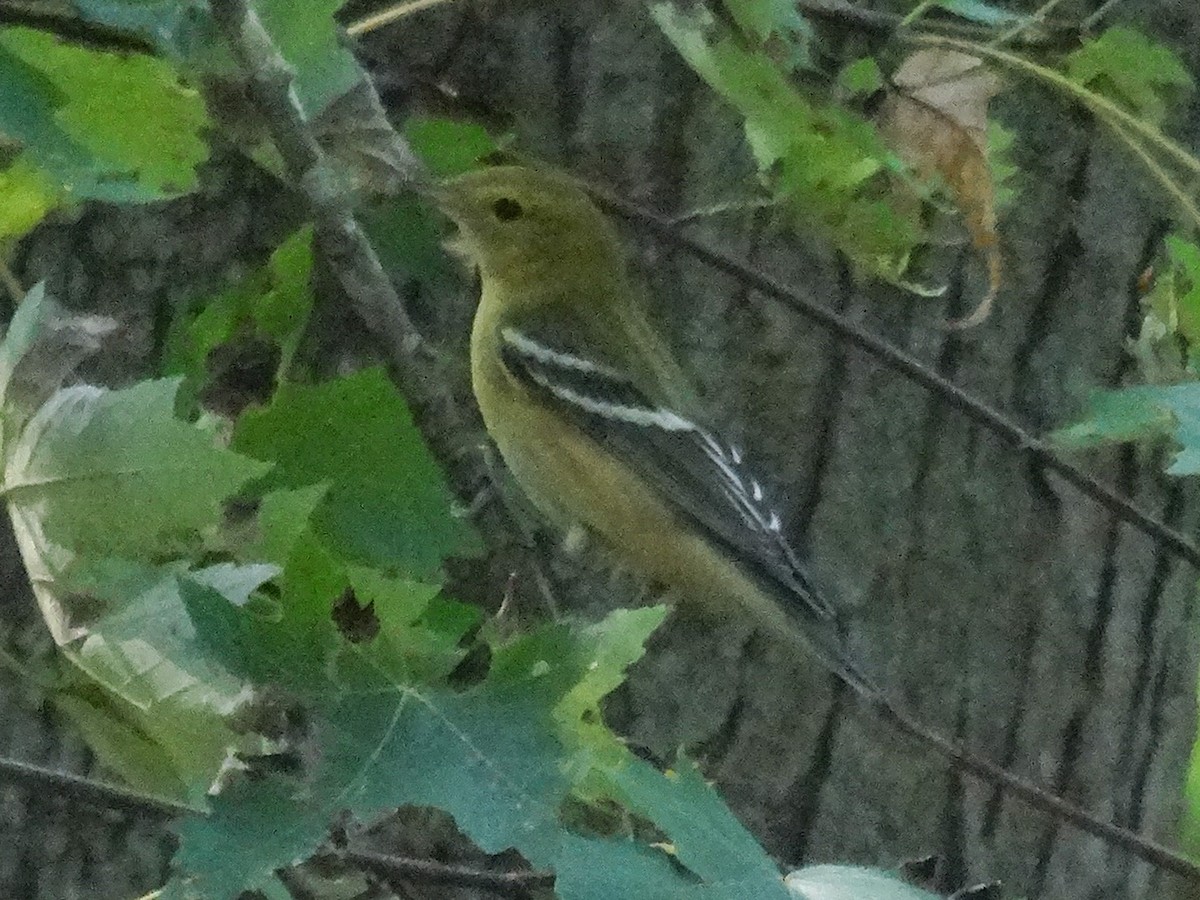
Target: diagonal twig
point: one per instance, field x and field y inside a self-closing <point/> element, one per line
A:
<point x="343" y="243"/>
<point x="428" y="871"/>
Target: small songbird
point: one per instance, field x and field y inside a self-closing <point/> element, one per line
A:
<point x="598" y="425"/>
<point x="596" y="420"/>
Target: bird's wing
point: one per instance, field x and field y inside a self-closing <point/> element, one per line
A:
<point x="703" y="478"/>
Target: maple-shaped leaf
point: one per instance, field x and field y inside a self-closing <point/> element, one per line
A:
<point x="935" y="118"/>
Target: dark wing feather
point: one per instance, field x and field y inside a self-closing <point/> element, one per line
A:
<point x="704" y="478"/>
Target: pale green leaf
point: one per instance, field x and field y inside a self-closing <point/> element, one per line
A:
<point x="102" y="125"/>
<point x="26" y="195"/>
<point x="1140" y="412"/>
<point x="861" y="76"/>
<point x="310" y="40"/>
<point x="851" y="883"/>
<point x="114" y="472"/>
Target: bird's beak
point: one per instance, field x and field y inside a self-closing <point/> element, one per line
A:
<point x="443" y="196"/>
<point x="455" y="207"/>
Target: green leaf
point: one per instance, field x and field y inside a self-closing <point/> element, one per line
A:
<point x="122" y="746"/>
<point x="283" y="518"/>
<point x="233" y="582"/>
<point x="165" y="699"/>
<point x="114" y="472"/>
<point x="26" y="196"/>
<point x="778" y="22"/>
<point x="1139" y="412"/>
<point x="273" y="303"/>
<point x="1182" y="281"/>
<point x="176" y="28"/>
<point x="387" y="503"/>
<point x="310" y="40"/>
<point x="705" y="836"/>
<point x="255" y="827"/>
<point x="496" y="756"/>
<point x="851" y="883"/>
<point x="405" y="234"/>
<point x="27" y="323"/>
<point x="42" y="347"/>
<point x="106" y="126"/>
<point x="502" y="756"/>
<point x="172" y="748"/>
<point x="448" y="147"/>
<point x="1114" y="417"/>
<point x="613" y="645"/>
<point x="823" y="162"/>
<point x="1130" y="68"/>
<point x="861" y="76"/>
<point x="306" y="34"/>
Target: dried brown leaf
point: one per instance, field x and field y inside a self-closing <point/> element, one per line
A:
<point x="935" y="118"/>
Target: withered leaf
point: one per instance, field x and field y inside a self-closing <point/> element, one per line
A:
<point x="935" y="118"/>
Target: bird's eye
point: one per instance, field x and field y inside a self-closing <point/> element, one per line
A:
<point x="506" y="209"/>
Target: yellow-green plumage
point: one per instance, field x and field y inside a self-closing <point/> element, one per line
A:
<point x="550" y="263"/>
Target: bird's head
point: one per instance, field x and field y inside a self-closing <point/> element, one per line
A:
<point x="522" y="225"/>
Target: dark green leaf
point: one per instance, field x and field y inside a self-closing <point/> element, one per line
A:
<point x="387" y="503"/>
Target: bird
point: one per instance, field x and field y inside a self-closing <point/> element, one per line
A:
<point x="597" y="422"/>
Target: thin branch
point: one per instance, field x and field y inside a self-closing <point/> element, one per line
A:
<point x="917" y="12"/>
<point x="342" y="242"/>
<point x="11" y="283"/>
<point x="68" y="786"/>
<point x="897" y="360"/>
<point x="430" y="872"/>
<point x="1039" y="798"/>
<point x="1161" y="175"/>
<point x="887" y="24"/>
<point x="390" y="15"/>
<point x="1035" y="19"/>
<point x="1095" y="18"/>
